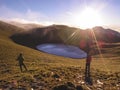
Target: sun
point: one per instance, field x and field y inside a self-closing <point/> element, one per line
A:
<point x="88" y="18"/>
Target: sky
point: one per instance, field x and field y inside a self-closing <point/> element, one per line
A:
<point x="69" y="12"/>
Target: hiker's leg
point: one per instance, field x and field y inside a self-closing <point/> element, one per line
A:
<point x="89" y="79"/>
<point x="86" y="73"/>
<point x="21" y="67"/>
<point x="89" y="70"/>
<point x="25" y="67"/>
<point x="86" y="70"/>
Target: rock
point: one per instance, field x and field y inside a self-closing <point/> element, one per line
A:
<point x="67" y="86"/>
<point x="99" y="82"/>
<point x="56" y="76"/>
<point x="79" y="88"/>
<point x="70" y="84"/>
<point x="21" y="89"/>
<point x="58" y="79"/>
<point x="52" y="73"/>
<point x="61" y="87"/>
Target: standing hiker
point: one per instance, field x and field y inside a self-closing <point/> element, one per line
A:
<point x="88" y="44"/>
<point x="89" y="51"/>
<point x="20" y="59"/>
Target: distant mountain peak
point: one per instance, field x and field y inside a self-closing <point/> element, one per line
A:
<point x="98" y="28"/>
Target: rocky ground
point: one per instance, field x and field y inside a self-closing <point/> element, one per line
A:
<point x="70" y="78"/>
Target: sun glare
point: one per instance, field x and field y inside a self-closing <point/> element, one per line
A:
<point x="88" y="18"/>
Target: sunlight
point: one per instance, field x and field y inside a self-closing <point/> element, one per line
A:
<point x="88" y="18"/>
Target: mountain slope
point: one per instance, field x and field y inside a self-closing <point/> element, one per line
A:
<point x="51" y="71"/>
<point x="9" y="48"/>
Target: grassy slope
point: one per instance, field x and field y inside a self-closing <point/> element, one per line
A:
<point x="38" y="62"/>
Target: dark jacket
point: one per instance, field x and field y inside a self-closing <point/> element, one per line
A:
<point x="20" y="59"/>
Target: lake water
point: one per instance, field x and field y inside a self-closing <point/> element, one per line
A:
<point x="62" y="50"/>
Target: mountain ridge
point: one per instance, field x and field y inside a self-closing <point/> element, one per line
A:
<point x="64" y="35"/>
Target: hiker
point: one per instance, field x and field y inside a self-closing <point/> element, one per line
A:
<point x="89" y="51"/>
<point x="20" y="58"/>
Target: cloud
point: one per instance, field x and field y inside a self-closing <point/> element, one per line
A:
<point x="27" y="17"/>
<point x="30" y="16"/>
<point x="33" y="17"/>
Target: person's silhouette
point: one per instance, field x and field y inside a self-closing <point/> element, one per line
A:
<point x="88" y="62"/>
<point x="20" y="59"/>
